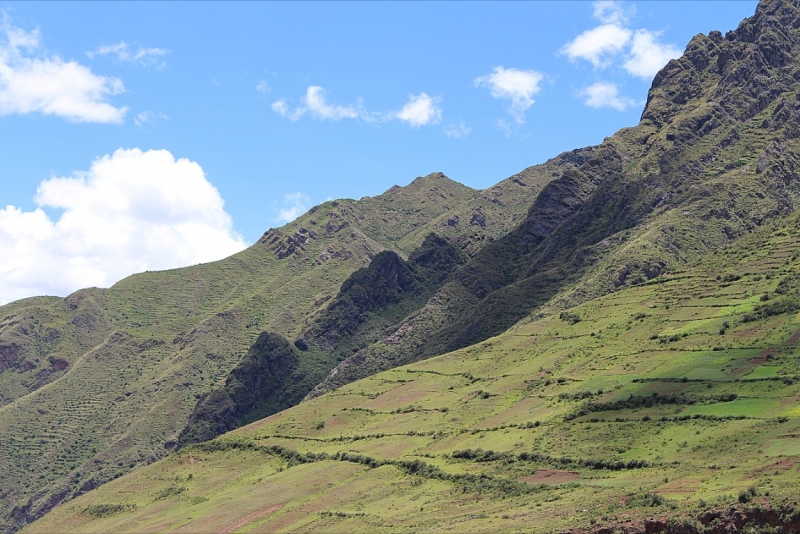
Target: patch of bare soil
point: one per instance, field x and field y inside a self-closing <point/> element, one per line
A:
<point x="249" y="518"/>
<point x="550" y="476"/>
<point x="755" y="516"/>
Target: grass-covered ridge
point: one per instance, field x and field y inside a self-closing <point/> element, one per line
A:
<point x="105" y="379"/>
<point x="581" y="334"/>
<point x="664" y="399"/>
<point x="715" y="155"/>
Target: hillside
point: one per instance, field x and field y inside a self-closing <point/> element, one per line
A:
<point x="668" y="402"/>
<point x="715" y="155"/>
<point x="104" y="380"/>
<point x="649" y="276"/>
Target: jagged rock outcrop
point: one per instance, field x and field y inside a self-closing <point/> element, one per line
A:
<point x="262" y="376"/>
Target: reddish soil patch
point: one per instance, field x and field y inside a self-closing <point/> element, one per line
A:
<point x="794" y="339"/>
<point x="258" y="514"/>
<point x="783" y="465"/>
<point x="679" y="487"/>
<point x="527" y="343"/>
<point x="550" y="476"/>
<point x="763" y="356"/>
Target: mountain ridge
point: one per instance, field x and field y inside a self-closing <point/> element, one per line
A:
<point x="713" y="160"/>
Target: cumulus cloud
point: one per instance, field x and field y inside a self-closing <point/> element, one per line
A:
<point x="647" y="55"/>
<point x="122" y="51"/>
<point x="294" y="205"/>
<point x="37" y="83"/>
<point x="420" y="110"/>
<point x="606" y="95"/>
<point x="598" y="45"/>
<point x="131" y="211"/>
<point x="518" y="86"/>
<point x="638" y="52"/>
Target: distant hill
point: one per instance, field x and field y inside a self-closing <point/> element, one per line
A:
<point x="605" y="259"/>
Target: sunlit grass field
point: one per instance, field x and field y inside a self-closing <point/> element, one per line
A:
<point x="662" y="399"/>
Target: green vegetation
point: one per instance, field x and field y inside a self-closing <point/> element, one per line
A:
<point x="591" y="422"/>
<point x="607" y="337"/>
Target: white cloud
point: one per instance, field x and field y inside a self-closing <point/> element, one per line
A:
<point x="598" y="45"/>
<point x="518" y="86"/>
<point x="262" y="87"/>
<point x="612" y="12"/>
<point x="294" y="205"/>
<point x="420" y="110"/>
<point x="122" y="51"/>
<point x="282" y="108"/>
<point x="647" y="55"/>
<point x="638" y="52"/>
<point x="314" y="103"/>
<point x="317" y="105"/>
<point x="131" y="211"/>
<point x="148" y="117"/>
<point x="457" y="131"/>
<point x="606" y="95"/>
<point x="50" y="85"/>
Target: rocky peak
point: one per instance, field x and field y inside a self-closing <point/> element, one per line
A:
<point x="435" y="186"/>
<point x="742" y="72"/>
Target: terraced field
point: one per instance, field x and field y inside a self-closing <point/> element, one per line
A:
<point x="662" y="400"/>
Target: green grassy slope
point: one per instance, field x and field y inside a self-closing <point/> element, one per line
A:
<point x="660" y="400"/>
<point x="104" y="380"/>
<point x="716" y="154"/>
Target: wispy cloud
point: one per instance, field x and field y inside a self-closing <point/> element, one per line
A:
<point x="612" y="12"/>
<point x="606" y="95"/>
<point x="457" y="131"/>
<point x="122" y="51"/>
<point x="294" y="205"/>
<point x="262" y="87"/>
<point x="315" y="104"/>
<point x="148" y="117"/>
<point x="518" y="86"/>
<point x="33" y="82"/>
<point x="420" y="110"/>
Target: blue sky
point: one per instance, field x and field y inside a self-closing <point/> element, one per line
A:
<point x="150" y="135"/>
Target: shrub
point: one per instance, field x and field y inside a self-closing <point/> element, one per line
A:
<point x="571" y="318"/>
<point x="106" y="510"/>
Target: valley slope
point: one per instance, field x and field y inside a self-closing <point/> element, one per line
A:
<point x="667" y="402"/>
<point x="575" y="271"/>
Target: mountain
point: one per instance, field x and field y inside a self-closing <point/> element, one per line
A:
<point x="714" y="156"/>
<point x="105" y="380"/>
<point x="669" y="406"/>
<point x="563" y="304"/>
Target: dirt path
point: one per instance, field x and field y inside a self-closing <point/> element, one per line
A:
<point x="249" y="518"/>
